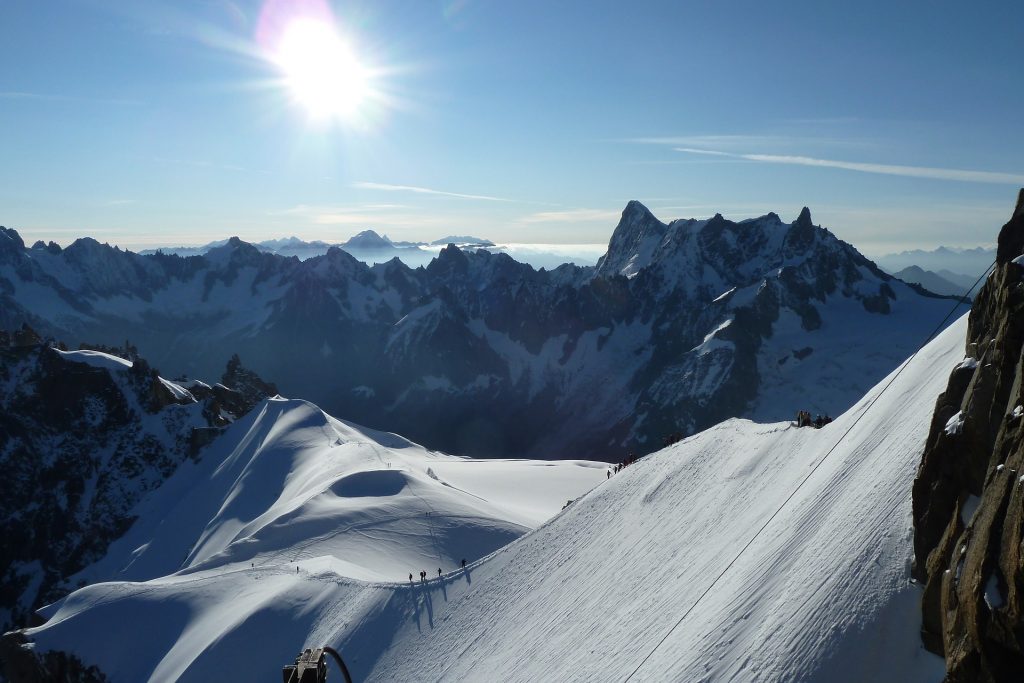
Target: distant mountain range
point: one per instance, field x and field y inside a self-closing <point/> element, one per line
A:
<point x="954" y="265"/>
<point x="943" y="282"/>
<point x="365" y="244"/>
<point x="679" y="326"/>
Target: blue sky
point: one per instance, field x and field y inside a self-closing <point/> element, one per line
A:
<point x="144" y="123"/>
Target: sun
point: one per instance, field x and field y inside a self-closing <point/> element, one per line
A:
<point x="320" y="70"/>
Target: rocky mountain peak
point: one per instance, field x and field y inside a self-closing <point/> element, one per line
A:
<point x="86" y="247"/>
<point x="635" y="210"/>
<point x="336" y="263"/>
<point x="368" y="240"/>
<point x="251" y="387"/>
<point x="449" y="259"/>
<point x="10" y="239"/>
<point x="236" y="252"/>
<point x="804" y="219"/>
<point x="1011" y="237"/>
<point x="802" y="232"/>
<point x="633" y="241"/>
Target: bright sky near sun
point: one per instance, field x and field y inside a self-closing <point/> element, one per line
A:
<point x="150" y="123"/>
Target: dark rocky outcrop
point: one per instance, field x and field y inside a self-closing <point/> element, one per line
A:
<point x="239" y="391"/>
<point x="82" y="439"/>
<point x="22" y="664"/>
<point x="968" y="498"/>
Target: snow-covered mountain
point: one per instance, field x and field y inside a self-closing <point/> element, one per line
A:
<point x="462" y="241"/>
<point x="299" y="530"/>
<point x="368" y="240"/>
<point x="679" y="326"/>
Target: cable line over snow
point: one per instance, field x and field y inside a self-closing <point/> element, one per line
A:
<point x="803" y="481"/>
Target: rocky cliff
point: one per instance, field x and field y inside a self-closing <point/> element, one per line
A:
<point x="968" y="497"/>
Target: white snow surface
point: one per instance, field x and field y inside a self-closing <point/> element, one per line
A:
<point x="837" y="354"/>
<point x="289" y="483"/>
<point x="97" y="359"/>
<point x="822" y="594"/>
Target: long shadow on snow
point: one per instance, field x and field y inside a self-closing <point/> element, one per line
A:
<point x="374" y="635"/>
<point x="257" y="647"/>
<point x="422" y="594"/>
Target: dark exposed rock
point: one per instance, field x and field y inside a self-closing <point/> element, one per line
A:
<point x="251" y="386"/>
<point x="21" y="664"/>
<point x="239" y="390"/>
<point x="82" y="439"/>
<point x="1011" y="242"/>
<point x="25" y="336"/>
<point x="968" y="497"/>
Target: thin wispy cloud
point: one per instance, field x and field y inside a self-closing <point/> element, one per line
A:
<point x="711" y="140"/>
<point x="738" y="142"/>
<point x="386" y="187"/>
<point x="309" y="209"/>
<point x="200" y="163"/>
<point x="961" y="175"/>
<point x="572" y="216"/>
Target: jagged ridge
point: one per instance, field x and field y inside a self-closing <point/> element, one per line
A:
<point x="679" y="326"/>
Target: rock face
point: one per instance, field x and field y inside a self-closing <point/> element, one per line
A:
<point x="84" y="435"/>
<point x="22" y="664"/>
<point x="968" y="498"/>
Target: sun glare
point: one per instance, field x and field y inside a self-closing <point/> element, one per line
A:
<point x="321" y="71"/>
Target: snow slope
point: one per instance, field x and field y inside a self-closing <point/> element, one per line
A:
<point x="822" y="594"/>
<point x="289" y="483"/>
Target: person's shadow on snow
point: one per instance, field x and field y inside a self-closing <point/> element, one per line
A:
<point x="428" y="603"/>
<point x="421" y="595"/>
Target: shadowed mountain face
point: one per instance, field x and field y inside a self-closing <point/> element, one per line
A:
<point x="84" y="436"/>
<point x="679" y="326"/>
